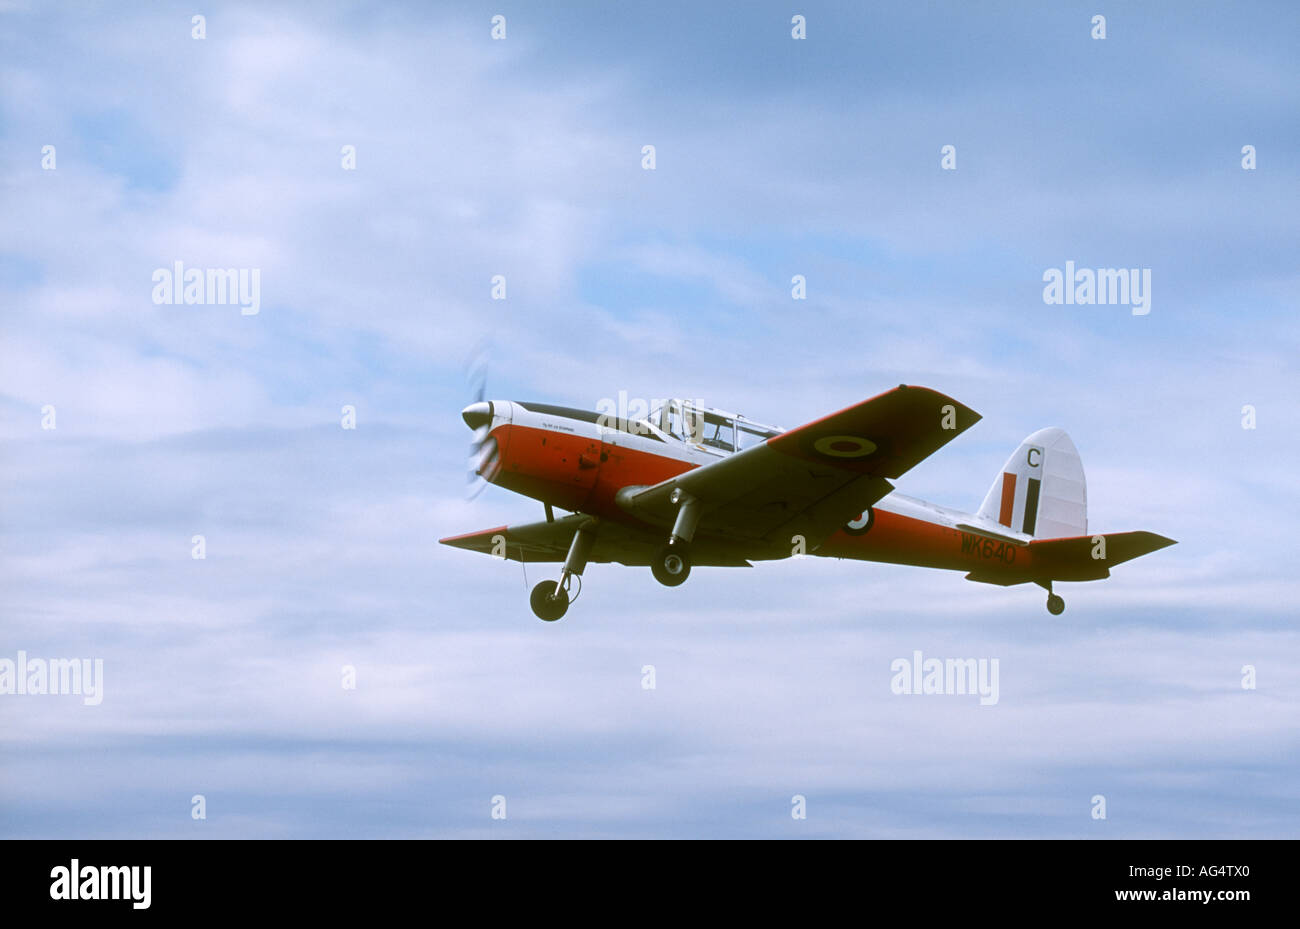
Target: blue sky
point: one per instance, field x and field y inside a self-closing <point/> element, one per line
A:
<point x="522" y="157"/>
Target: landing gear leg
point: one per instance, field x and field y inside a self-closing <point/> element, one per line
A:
<point x="550" y="599"/>
<point x="1055" y="603"/>
<point x="672" y="563"/>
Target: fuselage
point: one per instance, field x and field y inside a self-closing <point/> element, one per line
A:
<point x="579" y="461"/>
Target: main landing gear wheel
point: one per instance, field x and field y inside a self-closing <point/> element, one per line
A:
<point x="671" y="566"/>
<point x="1055" y="604"/>
<point x="549" y="601"/>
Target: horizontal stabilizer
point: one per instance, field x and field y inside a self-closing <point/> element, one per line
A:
<point x="1080" y="558"/>
<point x="1089" y="557"/>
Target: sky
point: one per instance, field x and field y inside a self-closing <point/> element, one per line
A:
<point x="523" y="157"/>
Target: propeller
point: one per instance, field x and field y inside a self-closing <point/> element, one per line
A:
<point x="483" y="453"/>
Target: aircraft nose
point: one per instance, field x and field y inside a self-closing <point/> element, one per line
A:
<point x="477" y="414"/>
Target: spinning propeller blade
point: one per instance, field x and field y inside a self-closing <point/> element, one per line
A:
<point x="478" y="416"/>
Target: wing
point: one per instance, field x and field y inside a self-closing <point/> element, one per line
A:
<point x="811" y="480"/>
<point x="549" y="541"/>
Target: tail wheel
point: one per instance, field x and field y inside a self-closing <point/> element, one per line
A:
<point x="549" y="601"/>
<point x="1055" y="604"/>
<point x="671" y="566"/>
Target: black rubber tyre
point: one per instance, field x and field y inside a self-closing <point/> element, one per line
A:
<point x="1055" y="604"/>
<point x="671" y="566"/>
<point x="549" y="610"/>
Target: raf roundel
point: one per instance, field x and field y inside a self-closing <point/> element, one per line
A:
<point x="844" y="446"/>
<point x="862" y="523"/>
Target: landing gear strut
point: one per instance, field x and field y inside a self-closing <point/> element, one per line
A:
<point x="1055" y="602"/>
<point x="672" y="563"/>
<point x="550" y="599"/>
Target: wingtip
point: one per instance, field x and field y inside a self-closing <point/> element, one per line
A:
<point x="975" y="417"/>
<point x="1153" y="542"/>
<point x="457" y="541"/>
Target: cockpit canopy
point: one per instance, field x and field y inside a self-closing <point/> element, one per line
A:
<point x="708" y="428"/>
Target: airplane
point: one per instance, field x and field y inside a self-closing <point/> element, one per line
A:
<point x="692" y="486"/>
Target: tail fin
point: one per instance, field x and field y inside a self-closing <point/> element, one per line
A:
<point x="1041" y="490"/>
